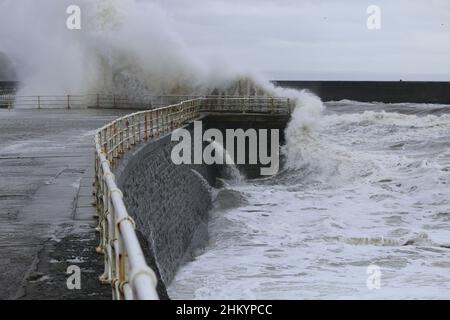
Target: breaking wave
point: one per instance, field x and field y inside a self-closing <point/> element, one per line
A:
<point x="361" y="185"/>
<point x="127" y="47"/>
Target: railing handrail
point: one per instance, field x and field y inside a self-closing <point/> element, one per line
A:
<point x="101" y="95"/>
<point x="125" y="266"/>
<point x="106" y="100"/>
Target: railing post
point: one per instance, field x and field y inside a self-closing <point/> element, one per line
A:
<point x="167" y="121"/>
<point x="120" y="138"/>
<point x="105" y="141"/>
<point x="116" y="140"/>
<point x="39" y="102"/>
<point x="157" y="123"/>
<point x="123" y="123"/>
<point x="109" y="154"/>
<point x="138" y="131"/>
<point x="146" y="126"/>
<point x="133" y="129"/>
<point x="164" y="121"/>
<point x="151" y="124"/>
<point x="68" y="101"/>
<point x="127" y="124"/>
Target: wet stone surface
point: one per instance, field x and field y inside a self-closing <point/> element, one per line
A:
<point x="46" y="216"/>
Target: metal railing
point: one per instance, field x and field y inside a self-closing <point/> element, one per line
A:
<point x="142" y="102"/>
<point x="248" y="104"/>
<point x="11" y="100"/>
<point x="6" y="95"/>
<point x="125" y="265"/>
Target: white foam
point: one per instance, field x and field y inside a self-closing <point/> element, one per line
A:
<point x="364" y="188"/>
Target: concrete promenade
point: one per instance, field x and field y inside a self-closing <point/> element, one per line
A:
<point x="46" y="216"/>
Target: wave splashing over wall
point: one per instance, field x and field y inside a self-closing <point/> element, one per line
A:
<point x="363" y="185"/>
<point x="124" y="46"/>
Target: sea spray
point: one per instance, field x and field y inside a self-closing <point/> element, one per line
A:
<point x="316" y="240"/>
<point x="125" y="47"/>
<point x="303" y="148"/>
<point x="230" y="171"/>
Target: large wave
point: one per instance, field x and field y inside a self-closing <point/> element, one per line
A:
<point x="124" y="46"/>
<point x="128" y="47"/>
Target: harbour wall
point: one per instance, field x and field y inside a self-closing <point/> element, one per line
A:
<point x="379" y="91"/>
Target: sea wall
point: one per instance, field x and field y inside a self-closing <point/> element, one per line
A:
<point x="169" y="203"/>
<point x="380" y="91"/>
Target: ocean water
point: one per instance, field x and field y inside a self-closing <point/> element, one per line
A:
<point x="368" y="184"/>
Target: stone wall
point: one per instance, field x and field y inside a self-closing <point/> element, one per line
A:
<point x="169" y="203"/>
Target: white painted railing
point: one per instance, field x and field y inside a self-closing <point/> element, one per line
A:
<point x="11" y="100"/>
<point x="125" y="266"/>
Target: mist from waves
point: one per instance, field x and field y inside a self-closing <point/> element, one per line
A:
<point x="125" y="47"/>
<point x="368" y="184"/>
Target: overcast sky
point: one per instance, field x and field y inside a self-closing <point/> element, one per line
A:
<point x="320" y="39"/>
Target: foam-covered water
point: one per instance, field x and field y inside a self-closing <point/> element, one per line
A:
<point x="369" y="184"/>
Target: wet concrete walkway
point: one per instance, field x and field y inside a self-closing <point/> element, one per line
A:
<point x="46" y="213"/>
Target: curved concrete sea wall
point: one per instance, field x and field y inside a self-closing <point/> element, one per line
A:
<point x="136" y="178"/>
<point x="169" y="203"/>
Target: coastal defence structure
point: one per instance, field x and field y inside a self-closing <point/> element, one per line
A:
<point x="153" y="213"/>
<point x="375" y="91"/>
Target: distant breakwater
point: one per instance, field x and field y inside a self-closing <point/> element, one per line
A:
<point x="379" y="91"/>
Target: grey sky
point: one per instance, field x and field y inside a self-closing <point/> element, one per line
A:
<point x="322" y="39"/>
